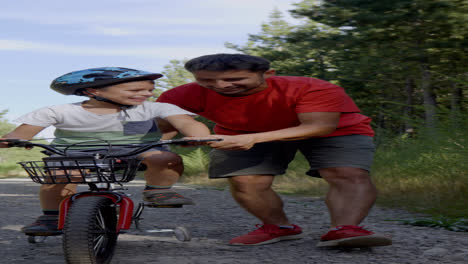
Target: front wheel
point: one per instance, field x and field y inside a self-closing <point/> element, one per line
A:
<point x="89" y="234"/>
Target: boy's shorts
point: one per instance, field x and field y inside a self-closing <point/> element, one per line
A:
<point x="272" y="158"/>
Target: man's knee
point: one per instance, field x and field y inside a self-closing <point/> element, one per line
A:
<point x="251" y="183"/>
<point x="345" y="175"/>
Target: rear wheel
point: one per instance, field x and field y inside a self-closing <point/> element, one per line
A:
<point x="89" y="234"/>
<point x="36" y="239"/>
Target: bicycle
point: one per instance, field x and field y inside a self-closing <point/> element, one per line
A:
<point x="92" y="220"/>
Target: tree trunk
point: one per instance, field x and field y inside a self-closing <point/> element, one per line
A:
<point x="322" y="70"/>
<point x="380" y="127"/>
<point x="408" y="110"/>
<point x="429" y="98"/>
<point x="456" y="104"/>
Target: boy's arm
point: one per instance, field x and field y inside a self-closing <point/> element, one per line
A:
<point x="167" y="130"/>
<point x="188" y="126"/>
<point x="24" y="131"/>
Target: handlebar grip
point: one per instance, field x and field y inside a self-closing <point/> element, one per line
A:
<point x="13" y="142"/>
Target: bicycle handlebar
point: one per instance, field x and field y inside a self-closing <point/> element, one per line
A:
<point x="138" y="148"/>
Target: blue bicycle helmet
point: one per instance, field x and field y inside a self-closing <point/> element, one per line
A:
<point x="72" y="83"/>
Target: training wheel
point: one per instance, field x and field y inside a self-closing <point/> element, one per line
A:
<point x="36" y="239"/>
<point x="182" y="234"/>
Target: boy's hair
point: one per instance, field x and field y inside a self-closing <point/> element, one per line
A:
<point x="227" y="62"/>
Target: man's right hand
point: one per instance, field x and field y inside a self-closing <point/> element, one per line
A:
<point x="235" y="142"/>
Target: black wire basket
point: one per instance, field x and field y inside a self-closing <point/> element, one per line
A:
<point x="82" y="170"/>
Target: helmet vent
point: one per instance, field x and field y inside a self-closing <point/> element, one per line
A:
<point x="98" y="76"/>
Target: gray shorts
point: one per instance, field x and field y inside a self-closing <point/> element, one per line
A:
<point x="272" y="158"/>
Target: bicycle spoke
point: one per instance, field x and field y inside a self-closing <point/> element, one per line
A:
<point x="100" y="240"/>
<point x="98" y="244"/>
<point x="100" y="221"/>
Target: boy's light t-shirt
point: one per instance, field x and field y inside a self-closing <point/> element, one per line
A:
<point x="74" y="124"/>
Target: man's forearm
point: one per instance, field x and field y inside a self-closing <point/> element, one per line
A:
<point x="294" y="133"/>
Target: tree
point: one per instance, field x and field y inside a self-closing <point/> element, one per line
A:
<point x="410" y="41"/>
<point x="274" y="43"/>
<point x="5" y="127"/>
<point x="174" y="75"/>
<point x="401" y="60"/>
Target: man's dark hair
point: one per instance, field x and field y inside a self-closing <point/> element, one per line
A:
<point x="227" y="62"/>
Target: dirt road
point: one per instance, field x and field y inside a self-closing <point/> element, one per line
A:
<point x="214" y="220"/>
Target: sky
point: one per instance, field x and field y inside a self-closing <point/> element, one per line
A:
<point x="41" y="40"/>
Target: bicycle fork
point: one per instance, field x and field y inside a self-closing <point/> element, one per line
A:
<point x="125" y="204"/>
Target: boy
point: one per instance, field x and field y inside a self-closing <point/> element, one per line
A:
<point x="117" y="110"/>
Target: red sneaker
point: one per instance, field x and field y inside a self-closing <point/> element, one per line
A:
<point x="267" y="234"/>
<point x="353" y="236"/>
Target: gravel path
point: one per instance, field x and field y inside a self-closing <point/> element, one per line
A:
<point x="214" y="220"/>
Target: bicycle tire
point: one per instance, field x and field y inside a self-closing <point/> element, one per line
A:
<point x="89" y="234"/>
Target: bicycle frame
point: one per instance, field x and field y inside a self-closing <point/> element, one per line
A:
<point x="91" y="220"/>
<point x="125" y="204"/>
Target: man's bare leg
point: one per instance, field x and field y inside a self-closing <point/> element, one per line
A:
<point x="351" y="195"/>
<point x="254" y="193"/>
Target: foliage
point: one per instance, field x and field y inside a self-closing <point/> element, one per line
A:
<point x="422" y="175"/>
<point x="10" y="157"/>
<point x="404" y="64"/>
<point x="174" y="75"/>
<point x="426" y="173"/>
<point x="457" y="225"/>
<point x="402" y="61"/>
<point x="195" y="162"/>
<point x="5" y="127"/>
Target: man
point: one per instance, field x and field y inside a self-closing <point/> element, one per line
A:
<point x="263" y="120"/>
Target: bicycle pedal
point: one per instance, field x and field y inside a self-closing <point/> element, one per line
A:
<point x="151" y="205"/>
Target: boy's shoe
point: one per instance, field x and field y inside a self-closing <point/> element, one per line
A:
<point x="267" y="234"/>
<point x="353" y="236"/>
<point x="45" y="225"/>
<point x="165" y="198"/>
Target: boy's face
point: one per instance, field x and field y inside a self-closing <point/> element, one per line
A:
<point x="130" y="93"/>
<point x="233" y="83"/>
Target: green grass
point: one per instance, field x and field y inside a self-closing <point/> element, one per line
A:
<point x="427" y="176"/>
<point x="9" y="158"/>
<point x="421" y="175"/>
<point x="457" y="225"/>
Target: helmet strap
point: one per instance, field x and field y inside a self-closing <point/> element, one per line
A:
<point x="103" y="99"/>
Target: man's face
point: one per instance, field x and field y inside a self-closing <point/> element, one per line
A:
<point x="233" y="83"/>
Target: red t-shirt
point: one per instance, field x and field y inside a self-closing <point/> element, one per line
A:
<point x="273" y="108"/>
